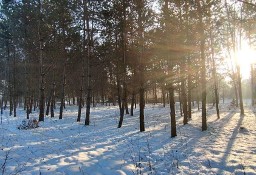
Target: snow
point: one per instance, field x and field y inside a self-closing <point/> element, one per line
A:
<point x="67" y="147"/>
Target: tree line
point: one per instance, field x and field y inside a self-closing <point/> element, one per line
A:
<point x="91" y="51"/>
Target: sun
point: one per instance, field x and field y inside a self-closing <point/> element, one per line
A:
<point x="245" y="58"/>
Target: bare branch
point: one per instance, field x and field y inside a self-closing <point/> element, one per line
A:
<point x="249" y="3"/>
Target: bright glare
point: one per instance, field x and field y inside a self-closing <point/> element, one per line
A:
<point x="245" y="57"/>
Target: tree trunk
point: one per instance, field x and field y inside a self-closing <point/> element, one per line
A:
<point x="11" y="102"/>
<point x="63" y="92"/>
<point x="53" y="102"/>
<point x="189" y="96"/>
<point x="120" y="104"/>
<point x="216" y="93"/>
<point x="132" y="102"/>
<point x="2" y="107"/>
<point x="238" y="69"/>
<point x="93" y="100"/>
<point x="141" y="66"/>
<point x="203" y="67"/>
<point x="31" y="102"/>
<point x="48" y="105"/>
<point x="5" y="103"/>
<point x="80" y="104"/>
<point x="142" y="106"/>
<point x="163" y="96"/>
<point x="180" y="100"/>
<point x="73" y="100"/>
<point x="9" y="79"/>
<point x="89" y="89"/>
<point x="42" y="98"/>
<point x="240" y="91"/>
<point x="172" y="113"/>
<point x="155" y="94"/>
<point x="184" y="102"/>
<point x="125" y="98"/>
<point x="189" y="65"/>
<point x="14" y="84"/>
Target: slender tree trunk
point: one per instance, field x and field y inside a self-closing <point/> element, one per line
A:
<point x="141" y="66"/>
<point x="125" y="98"/>
<point x="2" y="107"/>
<point x="155" y="94"/>
<point x="5" y="104"/>
<point x="25" y="103"/>
<point x="42" y="98"/>
<point x="9" y="78"/>
<point x="240" y="91"/>
<point x="53" y="101"/>
<point x="63" y="92"/>
<point x="89" y="89"/>
<point x="123" y="103"/>
<point x="48" y="105"/>
<point x="73" y="100"/>
<point x="93" y="100"/>
<point x="27" y="107"/>
<point x="189" y="96"/>
<point x="203" y="67"/>
<point x="184" y="102"/>
<point x="142" y="106"/>
<point x="132" y="102"/>
<point x="120" y="104"/>
<point x="216" y="93"/>
<point x="238" y="68"/>
<point x="180" y="100"/>
<point x="11" y="99"/>
<point x="80" y="104"/>
<point x="236" y="91"/>
<point x="216" y="97"/>
<point x="172" y="113"/>
<point x="88" y="106"/>
<point x="135" y="102"/>
<point x="189" y="65"/>
<point x="163" y="96"/>
<point x="31" y="102"/>
<point x="14" y="83"/>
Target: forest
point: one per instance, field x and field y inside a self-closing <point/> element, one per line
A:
<point x="124" y="52"/>
<point x="88" y="55"/>
<point x="86" y="52"/>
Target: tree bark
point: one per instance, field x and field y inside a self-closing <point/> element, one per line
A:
<point x="89" y="89"/>
<point x="141" y="67"/>
<point x="63" y="92"/>
<point x="48" y="105"/>
<point x="184" y="102"/>
<point x="14" y="83"/>
<point x="203" y="67"/>
<point x="163" y="96"/>
<point x="80" y="104"/>
<point x="216" y="93"/>
<point x="42" y="98"/>
<point x="132" y="102"/>
<point x="172" y="113"/>
<point x="241" y="104"/>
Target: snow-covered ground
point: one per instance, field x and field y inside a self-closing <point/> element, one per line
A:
<point x="67" y="147"/>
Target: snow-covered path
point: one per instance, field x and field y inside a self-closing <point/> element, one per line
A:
<point x="67" y="147"/>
